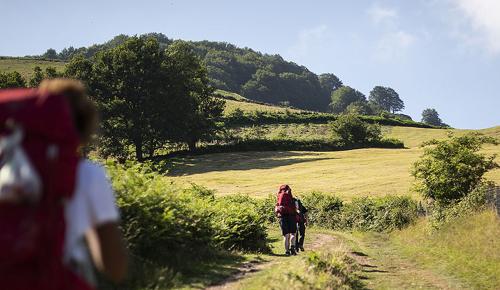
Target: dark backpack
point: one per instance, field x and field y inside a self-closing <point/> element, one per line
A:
<point x="40" y="151"/>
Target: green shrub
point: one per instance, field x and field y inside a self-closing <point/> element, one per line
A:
<point x="265" y="207"/>
<point x="379" y="214"/>
<point x="366" y="214"/>
<point x="473" y="202"/>
<point x="351" y="130"/>
<point x="323" y="209"/>
<point x="238" y="224"/>
<point x="169" y="226"/>
<point x="451" y="168"/>
<point x="159" y="224"/>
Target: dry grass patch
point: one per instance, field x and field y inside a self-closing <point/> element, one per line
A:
<point x="25" y="66"/>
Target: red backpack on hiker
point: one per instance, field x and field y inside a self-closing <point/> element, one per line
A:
<point x="38" y="161"/>
<point x="285" y="204"/>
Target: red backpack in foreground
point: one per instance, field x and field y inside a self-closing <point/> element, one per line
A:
<point x="38" y="161"/>
<point x="285" y="204"/>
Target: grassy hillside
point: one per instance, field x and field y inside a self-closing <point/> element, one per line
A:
<point x="344" y="173"/>
<point x="468" y="248"/>
<point x="25" y="66"/>
<point x="235" y="101"/>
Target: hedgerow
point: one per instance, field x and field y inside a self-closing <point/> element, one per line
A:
<point x="262" y="117"/>
<point x="286" y="144"/>
<point x="168" y="225"/>
<point x="363" y="213"/>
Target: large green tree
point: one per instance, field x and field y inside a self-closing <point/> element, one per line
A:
<point x="148" y="97"/>
<point x="431" y="116"/>
<point x="386" y="98"/>
<point x="343" y="97"/>
<point x="189" y="82"/>
<point x="329" y="82"/>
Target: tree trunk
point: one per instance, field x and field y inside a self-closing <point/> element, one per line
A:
<point x="192" y="145"/>
<point x="138" y="150"/>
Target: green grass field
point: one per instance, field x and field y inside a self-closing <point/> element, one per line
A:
<point x="469" y="248"/>
<point x="25" y="66"/>
<point x="344" y="173"/>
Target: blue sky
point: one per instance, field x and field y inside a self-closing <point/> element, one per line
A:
<point x="443" y="54"/>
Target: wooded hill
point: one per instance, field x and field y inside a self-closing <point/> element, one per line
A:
<point x="261" y="77"/>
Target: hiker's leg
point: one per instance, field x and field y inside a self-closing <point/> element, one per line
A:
<point x="297" y="238"/>
<point x="302" y="232"/>
<point x="284" y="230"/>
<point x="293" y="230"/>
<point x="287" y="242"/>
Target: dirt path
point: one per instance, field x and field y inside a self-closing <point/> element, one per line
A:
<point x="382" y="267"/>
<point x="246" y="270"/>
<point x="241" y="272"/>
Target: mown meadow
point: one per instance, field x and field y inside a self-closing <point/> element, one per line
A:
<point x="198" y="218"/>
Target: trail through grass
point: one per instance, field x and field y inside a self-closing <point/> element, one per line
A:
<point x="380" y="262"/>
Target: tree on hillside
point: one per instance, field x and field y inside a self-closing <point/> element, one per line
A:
<point x="191" y="84"/>
<point x="387" y="98"/>
<point x="354" y="131"/>
<point x="430" y="116"/>
<point x="257" y="76"/>
<point x="148" y="97"/>
<point x="450" y="169"/>
<point x="12" y="80"/>
<point x="343" y="97"/>
<point x="50" y="54"/>
<point x="359" y="108"/>
<point x="329" y="82"/>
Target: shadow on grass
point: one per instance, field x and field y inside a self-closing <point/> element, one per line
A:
<point x="212" y="272"/>
<point x="188" y="165"/>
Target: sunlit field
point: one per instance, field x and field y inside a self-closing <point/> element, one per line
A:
<point x="25" y="66"/>
<point x="345" y="173"/>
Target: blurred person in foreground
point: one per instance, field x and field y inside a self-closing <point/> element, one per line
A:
<point x="91" y="215"/>
<point x="58" y="217"/>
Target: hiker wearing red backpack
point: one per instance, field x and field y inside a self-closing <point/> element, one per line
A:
<point x="57" y="211"/>
<point x="286" y="211"/>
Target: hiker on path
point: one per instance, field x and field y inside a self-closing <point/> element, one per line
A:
<point x="286" y="211"/>
<point x="301" y="224"/>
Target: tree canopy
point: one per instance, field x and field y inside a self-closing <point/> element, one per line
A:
<point x="343" y="97"/>
<point x="386" y="98"/>
<point x="148" y="96"/>
<point x="262" y="77"/>
<point x="431" y="116"/>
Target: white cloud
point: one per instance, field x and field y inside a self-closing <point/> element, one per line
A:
<point x="484" y="18"/>
<point x="379" y="14"/>
<point x="308" y="40"/>
<point x="393" y="45"/>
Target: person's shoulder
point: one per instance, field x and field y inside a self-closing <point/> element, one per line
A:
<point x="91" y="169"/>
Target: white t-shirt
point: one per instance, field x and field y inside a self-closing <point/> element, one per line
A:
<point x="93" y="204"/>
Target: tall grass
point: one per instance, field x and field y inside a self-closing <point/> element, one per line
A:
<point x="467" y="248"/>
